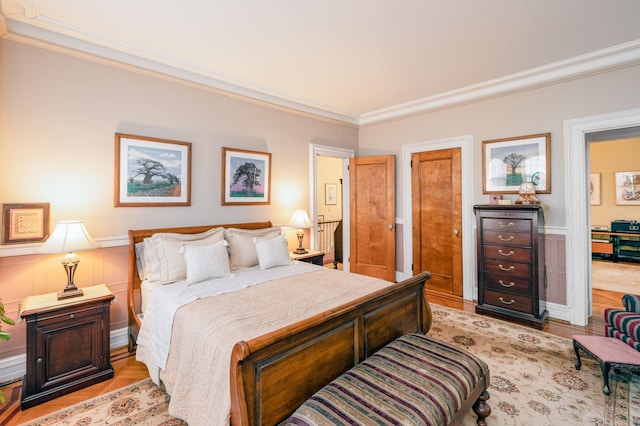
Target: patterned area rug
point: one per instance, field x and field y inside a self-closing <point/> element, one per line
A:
<point x="533" y="375"/>
<point x="534" y="382"/>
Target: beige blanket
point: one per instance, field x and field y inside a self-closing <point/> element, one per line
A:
<point x="205" y="331"/>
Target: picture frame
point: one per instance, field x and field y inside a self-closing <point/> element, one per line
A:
<point x="151" y="172"/>
<point x="25" y="223"/>
<point x="628" y="188"/>
<point x="330" y="194"/>
<point x="595" y="189"/>
<point x="506" y="163"/>
<point x="246" y="177"/>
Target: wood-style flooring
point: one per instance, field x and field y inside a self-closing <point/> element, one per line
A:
<point x="129" y="371"/>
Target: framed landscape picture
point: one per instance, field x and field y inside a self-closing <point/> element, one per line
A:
<point x="506" y="163"/>
<point x="246" y="177"/>
<point x="151" y="172"/>
<point x="628" y="188"/>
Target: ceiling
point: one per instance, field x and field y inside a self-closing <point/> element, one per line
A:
<point x="357" y="61"/>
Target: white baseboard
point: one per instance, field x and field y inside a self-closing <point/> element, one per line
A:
<point x="14" y="368"/>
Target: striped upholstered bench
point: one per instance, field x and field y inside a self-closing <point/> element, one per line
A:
<point x="414" y="380"/>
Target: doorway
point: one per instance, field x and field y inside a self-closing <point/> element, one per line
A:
<point x="465" y="144"/>
<point x="578" y="242"/>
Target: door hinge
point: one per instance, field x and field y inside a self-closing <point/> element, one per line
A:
<point x="411" y="163"/>
<point x="412" y="267"/>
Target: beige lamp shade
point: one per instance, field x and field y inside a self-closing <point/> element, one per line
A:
<point x="300" y="220"/>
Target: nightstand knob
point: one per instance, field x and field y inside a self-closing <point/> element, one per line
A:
<point x="39" y="360"/>
<point x="72" y="316"/>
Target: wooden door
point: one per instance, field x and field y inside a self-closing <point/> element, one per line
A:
<point x="372" y="216"/>
<point x="437" y="218"/>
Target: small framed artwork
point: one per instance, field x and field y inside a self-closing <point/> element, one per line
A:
<point x="330" y="194"/>
<point x="506" y="163"/>
<point x="246" y="177"/>
<point x="594" y="189"/>
<point x="628" y="188"/>
<point x="151" y="172"/>
<point x="25" y="223"/>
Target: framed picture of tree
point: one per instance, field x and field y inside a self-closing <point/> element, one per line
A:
<point x="506" y="163"/>
<point x="246" y="177"/>
<point x="151" y="172"/>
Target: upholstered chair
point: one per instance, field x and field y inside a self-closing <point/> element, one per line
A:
<point x="624" y="325"/>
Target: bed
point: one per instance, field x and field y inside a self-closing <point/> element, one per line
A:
<point x="274" y="365"/>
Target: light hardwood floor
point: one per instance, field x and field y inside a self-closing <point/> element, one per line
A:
<point x="129" y="371"/>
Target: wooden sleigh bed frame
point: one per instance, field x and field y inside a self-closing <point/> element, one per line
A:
<point x="275" y="373"/>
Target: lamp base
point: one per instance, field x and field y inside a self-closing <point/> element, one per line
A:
<point x="70" y="292"/>
<point x="300" y="250"/>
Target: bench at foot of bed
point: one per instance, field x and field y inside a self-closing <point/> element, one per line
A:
<point x="414" y="380"/>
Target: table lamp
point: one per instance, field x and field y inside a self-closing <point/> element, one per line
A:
<point x="300" y="220"/>
<point x="69" y="236"/>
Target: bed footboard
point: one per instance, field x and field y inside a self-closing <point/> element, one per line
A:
<point x="274" y="374"/>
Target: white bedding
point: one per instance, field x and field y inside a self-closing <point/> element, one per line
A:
<point x="205" y="331"/>
<point x="165" y="300"/>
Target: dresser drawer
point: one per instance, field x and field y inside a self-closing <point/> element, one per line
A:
<point x="506" y="253"/>
<point x="506" y="284"/>
<point x="508" y="301"/>
<point x="506" y="238"/>
<point x="508" y="270"/>
<point x="506" y="224"/>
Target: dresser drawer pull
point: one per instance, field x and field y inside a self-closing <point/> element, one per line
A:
<point x="72" y="316"/>
<point x="511" y="302"/>
<point x="510" y="268"/>
<point x="39" y="360"/>
<point x="505" y="224"/>
<point x="505" y="254"/>
<point x="505" y="239"/>
<point x="511" y="284"/>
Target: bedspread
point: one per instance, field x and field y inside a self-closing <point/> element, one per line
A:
<point x="204" y="332"/>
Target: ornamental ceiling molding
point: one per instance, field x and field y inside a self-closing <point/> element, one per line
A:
<point x="21" y="21"/>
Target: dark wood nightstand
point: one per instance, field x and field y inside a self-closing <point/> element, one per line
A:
<point x="67" y="343"/>
<point x="315" y="257"/>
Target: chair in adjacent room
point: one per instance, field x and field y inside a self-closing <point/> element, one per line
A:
<point x="624" y="324"/>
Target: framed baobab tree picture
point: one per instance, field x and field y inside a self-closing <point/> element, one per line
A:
<point x="507" y="163"/>
<point x="246" y="177"/>
<point x="151" y="172"/>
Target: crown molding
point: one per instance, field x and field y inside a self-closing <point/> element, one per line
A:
<point x="618" y="56"/>
<point x="21" y="21"/>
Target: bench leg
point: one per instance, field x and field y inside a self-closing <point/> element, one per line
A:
<point x="482" y="409"/>
<point x="576" y="348"/>
<point x="606" y="367"/>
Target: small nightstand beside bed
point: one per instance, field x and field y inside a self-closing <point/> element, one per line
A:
<point x="251" y="345"/>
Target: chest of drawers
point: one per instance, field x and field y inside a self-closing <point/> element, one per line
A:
<point x="511" y="267"/>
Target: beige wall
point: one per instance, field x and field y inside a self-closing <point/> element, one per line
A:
<point x="58" y="116"/>
<point x="607" y="158"/>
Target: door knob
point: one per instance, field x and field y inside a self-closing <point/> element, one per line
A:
<point x="456" y="232"/>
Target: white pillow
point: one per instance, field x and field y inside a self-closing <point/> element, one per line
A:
<point x="272" y="252"/>
<point x="168" y="245"/>
<point x="151" y="261"/>
<point x="140" y="260"/>
<point x="206" y="262"/>
<point x="242" y="251"/>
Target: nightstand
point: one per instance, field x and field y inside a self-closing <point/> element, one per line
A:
<point x="67" y="343"/>
<point x="315" y="257"/>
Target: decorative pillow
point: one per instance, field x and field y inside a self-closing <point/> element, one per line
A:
<point x="206" y="262"/>
<point x="242" y="251"/>
<point x="272" y="252"/>
<point x="151" y="261"/>
<point x="168" y="245"/>
<point x="140" y="261"/>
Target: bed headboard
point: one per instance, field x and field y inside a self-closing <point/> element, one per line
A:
<point x="136" y="236"/>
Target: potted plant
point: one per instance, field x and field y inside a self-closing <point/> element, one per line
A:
<point x="4" y="335"/>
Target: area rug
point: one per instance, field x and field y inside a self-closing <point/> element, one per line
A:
<point x="533" y="382"/>
<point x="533" y="375"/>
<point x="618" y="277"/>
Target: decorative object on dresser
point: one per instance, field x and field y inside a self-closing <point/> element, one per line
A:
<point x="527" y="193"/>
<point x="311" y="256"/>
<point x="300" y="220"/>
<point x="67" y="343"/>
<point x="511" y="263"/>
<point x="69" y="236"/>
<point x="25" y="223"/>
